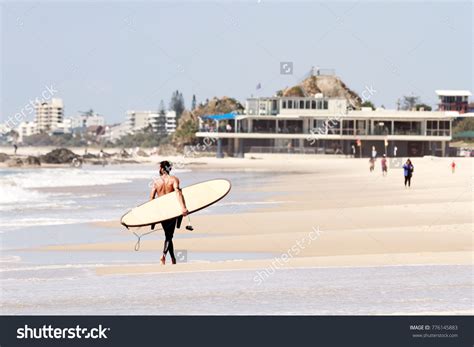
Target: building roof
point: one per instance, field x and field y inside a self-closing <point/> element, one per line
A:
<point x="453" y="92"/>
<point x="396" y="114"/>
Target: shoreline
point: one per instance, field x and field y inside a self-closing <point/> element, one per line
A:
<point x="358" y="214"/>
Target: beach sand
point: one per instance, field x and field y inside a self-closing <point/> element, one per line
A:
<point x="332" y="213"/>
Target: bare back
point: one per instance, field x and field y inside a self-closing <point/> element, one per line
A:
<point x="166" y="184"/>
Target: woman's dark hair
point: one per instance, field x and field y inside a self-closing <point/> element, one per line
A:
<point x="165" y="165"/>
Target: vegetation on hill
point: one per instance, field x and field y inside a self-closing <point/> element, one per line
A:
<point x="328" y="85"/>
<point x="188" y="123"/>
<point x="466" y="124"/>
<point x="145" y="138"/>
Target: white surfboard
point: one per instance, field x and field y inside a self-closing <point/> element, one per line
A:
<point x="196" y="196"/>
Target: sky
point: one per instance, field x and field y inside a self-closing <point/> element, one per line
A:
<point x="119" y="56"/>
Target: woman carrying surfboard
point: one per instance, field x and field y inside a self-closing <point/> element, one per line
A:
<point x="165" y="185"/>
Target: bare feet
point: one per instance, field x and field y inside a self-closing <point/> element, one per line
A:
<point x="163" y="260"/>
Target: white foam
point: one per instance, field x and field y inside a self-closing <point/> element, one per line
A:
<point x="17" y="223"/>
<point x="54" y="267"/>
<point x="49" y="178"/>
<point x="10" y="259"/>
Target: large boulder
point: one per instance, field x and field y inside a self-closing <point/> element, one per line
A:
<point x="32" y="160"/>
<point x="4" y="157"/>
<point x="328" y="85"/>
<point x="58" y="156"/>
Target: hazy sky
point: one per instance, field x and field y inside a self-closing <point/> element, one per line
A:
<point x="117" y="56"/>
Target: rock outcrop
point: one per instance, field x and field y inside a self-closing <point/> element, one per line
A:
<point x="58" y="156"/>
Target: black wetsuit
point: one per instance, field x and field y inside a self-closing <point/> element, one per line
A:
<point x="168" y="226"/>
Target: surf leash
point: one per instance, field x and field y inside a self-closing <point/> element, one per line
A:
<point x="139" y="237"/>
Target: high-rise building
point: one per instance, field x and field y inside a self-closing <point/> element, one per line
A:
<point x="139" y="120"/>
<point x="161" y="123"/>
<point x="49" y="115"/>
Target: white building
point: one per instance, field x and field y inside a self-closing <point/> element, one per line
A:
<point x="319" y="124"/>
<point x="26" y="129"/>
<point x="115" y="132"/>
<point x="138" y="120"/>
<point x="170" y="125"/>
<point x="49" y="115"/>
<point x="63" y="128"/>
<point x="163" y="124"/>
<point x="84" y="121"/>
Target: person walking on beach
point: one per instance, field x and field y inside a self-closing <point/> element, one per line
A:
<point x="102" y="157"/>
<point x="15" y="148"/>
<point x="453" y="167"/>
<point x="371" y="164"/>
<point x="165" y="185"/>
<point x="384" y="165"/>
<point x="408" y="172"/>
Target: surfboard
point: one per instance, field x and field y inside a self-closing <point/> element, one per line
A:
<point x="196" y="196"/>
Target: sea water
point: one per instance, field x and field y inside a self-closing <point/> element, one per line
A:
<point x="41" y="207"/>
<point x="319" y="291"/>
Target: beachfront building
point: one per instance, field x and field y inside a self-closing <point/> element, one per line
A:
<point x="453" y="100"/>
<point x="318" y="124"/>
<point x="161" y="123"/>
<point x="49" y="115"/>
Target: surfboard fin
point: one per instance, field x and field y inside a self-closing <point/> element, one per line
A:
<point x="152" y="226"/>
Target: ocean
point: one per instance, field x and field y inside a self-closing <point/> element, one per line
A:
<point x="41" y="207"/>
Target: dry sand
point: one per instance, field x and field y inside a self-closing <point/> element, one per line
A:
<point x="333" y="212"/>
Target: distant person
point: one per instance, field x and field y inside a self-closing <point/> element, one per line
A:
<point x="374" y="152"/>
<point x="453" y="167"/>
<point x="165" y="185"/>
<point x="102" y="157"/>
<point x="395" y="149"/>
<point x="371" y="164"/>
<point x="15" y="148"/>
<point x="408" y="169"/>
<point x="228" y="128"/>
<point x="353" y="151"/>
<point x="384" y="165"/>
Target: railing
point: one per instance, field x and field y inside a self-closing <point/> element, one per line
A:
<point x="213" y="131"/>
<point x="435" y="132"/>
<point x="287" y="150"/>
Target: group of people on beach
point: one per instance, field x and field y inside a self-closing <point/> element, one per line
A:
<point x="408" y="167"/>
